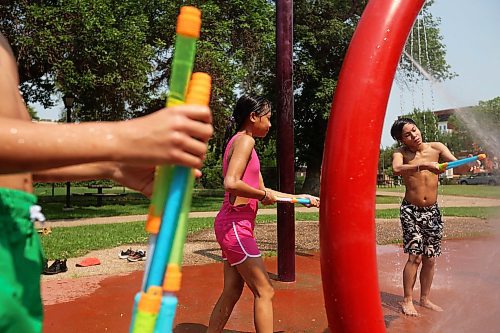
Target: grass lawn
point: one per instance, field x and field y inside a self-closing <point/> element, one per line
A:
<point x="132" y="203"/>
<point x="482" y="191"/>
<point x="78" y="241"/>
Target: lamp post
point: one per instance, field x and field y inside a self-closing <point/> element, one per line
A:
<point x="68" y="100"/>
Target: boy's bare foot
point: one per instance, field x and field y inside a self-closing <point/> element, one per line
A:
<point x="409" y="309"/>
<point x="429" y="305"/>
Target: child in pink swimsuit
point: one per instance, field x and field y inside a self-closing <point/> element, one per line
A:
<point x="234" y="225"/>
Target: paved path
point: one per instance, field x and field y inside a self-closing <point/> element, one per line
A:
<point x="443" y="200"/>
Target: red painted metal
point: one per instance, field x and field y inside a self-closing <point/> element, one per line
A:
<point x="347" y="218"/>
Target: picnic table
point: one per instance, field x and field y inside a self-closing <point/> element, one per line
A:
<point x="100" y="194"/>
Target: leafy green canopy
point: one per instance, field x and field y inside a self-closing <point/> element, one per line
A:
<point x="476" y="129"/>
<point x="323" y="30"/>
<point x="115" y="56"/>
<point x="96" y="50"/>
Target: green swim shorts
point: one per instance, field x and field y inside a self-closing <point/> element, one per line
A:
<point x="21" y="259"/>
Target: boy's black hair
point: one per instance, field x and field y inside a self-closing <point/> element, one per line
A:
<point x="397" y="127"/>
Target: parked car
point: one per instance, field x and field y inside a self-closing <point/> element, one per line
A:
<point x="485" y="178"/>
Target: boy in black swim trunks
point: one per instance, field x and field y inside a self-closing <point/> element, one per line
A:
<point x="417" y="162"/>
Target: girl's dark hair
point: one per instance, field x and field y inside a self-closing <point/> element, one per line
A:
<point x="397" y="127"/>
<point x="245" y="105"/>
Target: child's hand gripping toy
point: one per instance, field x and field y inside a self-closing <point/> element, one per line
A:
<point x="454" y="164"/>
<point x="155" y="305"/>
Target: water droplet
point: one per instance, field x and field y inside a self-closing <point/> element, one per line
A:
<point x="13" y="130"/>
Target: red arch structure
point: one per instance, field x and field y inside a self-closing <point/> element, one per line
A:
<point x="347" y="213"/>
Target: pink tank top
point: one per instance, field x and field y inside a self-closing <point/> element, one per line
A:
<point x="251" y="176"/>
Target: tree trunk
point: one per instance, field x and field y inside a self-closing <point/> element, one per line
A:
<point x="312" y="180"/>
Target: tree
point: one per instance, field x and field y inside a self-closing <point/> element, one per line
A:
<point x="94" y="49"/>
<point x="385" y="160"/>
<point x="459" y="140"/>
<point x="237" y="49"/>
<point x="477" y="126"/>
<point x="484" y="124"/>
<point x="424" y="49"/>
<point x="323" y="30"/>
<point x="115" y="57"/>
<point x="427" y="123"/>
<point x="33" y="113"/>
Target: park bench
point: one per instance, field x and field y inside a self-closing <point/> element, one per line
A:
<point x="99" y="194"/>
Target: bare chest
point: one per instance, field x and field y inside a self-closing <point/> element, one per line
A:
<point x="428" y="154"/>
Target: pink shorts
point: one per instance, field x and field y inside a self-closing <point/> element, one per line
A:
<point x="236" y="240"/>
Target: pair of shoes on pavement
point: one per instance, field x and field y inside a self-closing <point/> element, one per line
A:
<point x="132" y="255"/>
<point x="58" y="266"/>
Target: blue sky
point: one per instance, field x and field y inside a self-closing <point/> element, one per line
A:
<point x="470" y="32"/>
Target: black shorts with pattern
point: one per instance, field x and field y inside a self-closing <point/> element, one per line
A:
<point x="422" y="229"/>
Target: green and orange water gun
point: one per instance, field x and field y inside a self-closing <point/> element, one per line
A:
<point x="154" y="307"/>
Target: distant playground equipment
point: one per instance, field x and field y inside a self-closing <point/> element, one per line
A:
<point x="457" y="163"/>
<point x="154" y="307"/>
<point x="347" y="212"/>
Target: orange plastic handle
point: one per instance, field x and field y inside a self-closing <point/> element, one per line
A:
<point x="189" y="22"/>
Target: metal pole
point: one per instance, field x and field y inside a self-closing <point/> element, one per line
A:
<point x="68" y="184"/>
<point x="285" y="144"/>
<point x="68" y="195"/>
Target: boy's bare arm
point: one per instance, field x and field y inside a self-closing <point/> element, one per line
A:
<point x="444" y="153"/>
<point x="139" y="178"/>
<point x="174" y="136"/>
<point x="81" y="172"/>
<point x="447" y="156"/>
<point x="400" y="168"/>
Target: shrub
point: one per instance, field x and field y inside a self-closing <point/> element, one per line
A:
<point x="212" y="172"/>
